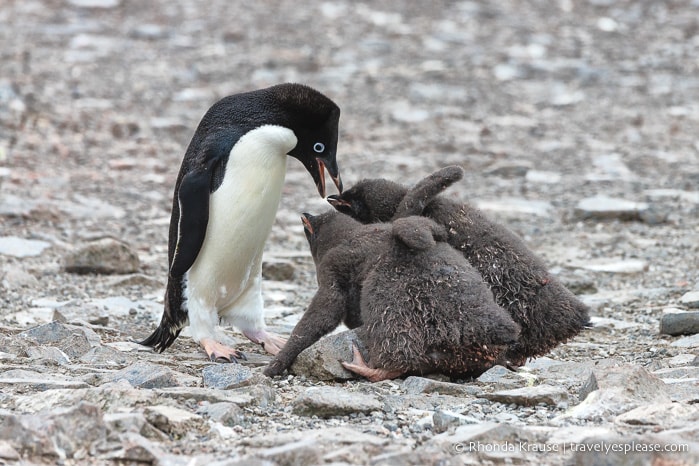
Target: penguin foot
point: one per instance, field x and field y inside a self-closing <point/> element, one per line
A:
<point x="360" y="367"/>
<point x="219" y="352"/>
<point x="271" y="342"/>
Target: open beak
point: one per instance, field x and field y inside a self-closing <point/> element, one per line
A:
<point x="334" y="175"/>
<point x="305" y="219"/>
<point x="336" y="202"/>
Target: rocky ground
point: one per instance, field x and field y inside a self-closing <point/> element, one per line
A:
<point x="576" y="123"/>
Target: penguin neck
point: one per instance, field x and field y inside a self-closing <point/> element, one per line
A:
<point x="262" y="149"/>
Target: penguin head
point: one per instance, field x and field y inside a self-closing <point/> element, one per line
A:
<point x="314" y="119"/>
<point x="325" y="231"/>
<point x="370" y="201"/>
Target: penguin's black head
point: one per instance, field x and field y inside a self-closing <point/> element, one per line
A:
<point x="369" y="201"/>
<point x="314" y="119"/>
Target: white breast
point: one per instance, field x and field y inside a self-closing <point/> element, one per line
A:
<point x="241" y="213"/>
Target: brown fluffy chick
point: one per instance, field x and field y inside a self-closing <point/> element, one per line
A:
<point x="418" y="304"/>
<point x="547" y="312"/>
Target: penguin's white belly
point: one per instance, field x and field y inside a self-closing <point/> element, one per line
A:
<point x="241" y="213"/>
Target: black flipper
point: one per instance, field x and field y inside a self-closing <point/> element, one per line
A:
<point x="426" y="189"/>
<point x="200" y="175"/>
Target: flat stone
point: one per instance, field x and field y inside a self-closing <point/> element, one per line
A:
<point x="624" y="450"/>
<point x="278" y="270"/>
<point x="7" y="452"/>
<point x="38" y="381"/>
<point x="172" y="420"/>
<point x="227" y="376"/>
<point x="665" y="415"/>
<point x="684" y="359"/>
<point x="105" y="356"/>
<point x="13" y="278"/>
<point x="690" y="299"/>
<point x="679" y="322"/>
<point x="147" y="375"/>
<point x="627" y="266"/>
<point x="104" y="256"/>
<point x="298" y="453"/>
<point x="607" y="208"/>
<point x="416" y="385"/>
<point x="58" y="434"/>
<point x="137" y="449"/>
<point x="516" y="206"/>
<point x="20" y="247"/>
<point x="691" y="341"/>
<point x="101" y="4"/>
<point x="253" y="395"/>
<point x="333" y="401"/>
<point x="468" y="436"/>
<point x="531" y="396"/>
<point x="321" y="360"/>
<point x="74" y="341"/>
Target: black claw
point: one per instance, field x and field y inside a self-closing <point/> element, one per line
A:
<point x="241" y="356"/>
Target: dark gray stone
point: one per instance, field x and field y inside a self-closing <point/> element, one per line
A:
<point x="679" y="322"/>
<point x="531" y="396"/>
<point x="332" y="401"/>
<point x="322" y="359"/>
<point x="74" y="341"/>
<point x="146" y="375"/>
<point x="227" y="376"/>
<point x="104" y="256"/>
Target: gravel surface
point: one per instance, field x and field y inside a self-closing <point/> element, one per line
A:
<point x="576" y="123"/>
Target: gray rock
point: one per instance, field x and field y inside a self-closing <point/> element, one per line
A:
<point x="516" y="206"/>
<point x="104" y="256"/>
<point x="101" y="4"/>
<point x="467" y="436"/>
<point x="47" y="354"/>
<point x="416" y="385"/>
<point x="38" y="381"/>
<point x="626" y="266"/>
<point x="59" y="434"/>
<point x="531" y="396"/>
<point x="297" y="453"/>
<point x="278" y="270"/>
<point x="664" y="415"/>
<point x="13" y="278"/>
<point x="120" y="423"/>
<point x="500" y="377"/>
<point x="7" y="452"/>
<point x="137" y="449"/>
<point x="105" y="356"/>
<point x="227" y="376"/>
<point x="613" y="391"/>
<point x="684" y="359"/>
<point x="690" y="299"/>
<point x="691" y="341"/>
<point x="607" y="208"/>
<point x="322" y="359"/>
<point x="253" y="395"/>
<point x="147" y="375"/>
<point x="332" y="401"/>
<point x="74" y="341"/>
<point x="20" y="247"/>
<point x="172" y="420"/>
<point x="228" y="414"/>
<point x="443" y="420"/>
<point x="679" y="322"/>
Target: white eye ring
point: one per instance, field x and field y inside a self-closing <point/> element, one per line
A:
<point x="319" y="147"/>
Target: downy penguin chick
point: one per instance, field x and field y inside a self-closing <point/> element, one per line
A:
<point x="547" y="312"/>
<point x="415" y="302"/>
<point x="224" y="204"/>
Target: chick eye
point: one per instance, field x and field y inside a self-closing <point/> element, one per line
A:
<point x="319" y="147"/>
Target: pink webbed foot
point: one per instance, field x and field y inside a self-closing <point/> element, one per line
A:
<point x="219" y="352"/>
<point x="360" y="367"/>
<point x="271" y="342"/>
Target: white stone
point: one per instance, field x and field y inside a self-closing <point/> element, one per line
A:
<point x="20" y="247"/>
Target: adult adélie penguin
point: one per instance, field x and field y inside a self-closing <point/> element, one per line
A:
<point x="225" y="201"/>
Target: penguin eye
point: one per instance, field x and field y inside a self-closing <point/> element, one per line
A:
<point x="319" y="147"/>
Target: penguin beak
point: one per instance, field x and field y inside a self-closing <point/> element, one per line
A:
<point x="333" y="170"/>
<point x="337" y="202"/>
<point x="306" y="220"/>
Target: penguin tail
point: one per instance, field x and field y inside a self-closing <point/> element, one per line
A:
<point x="162" y="338"/>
